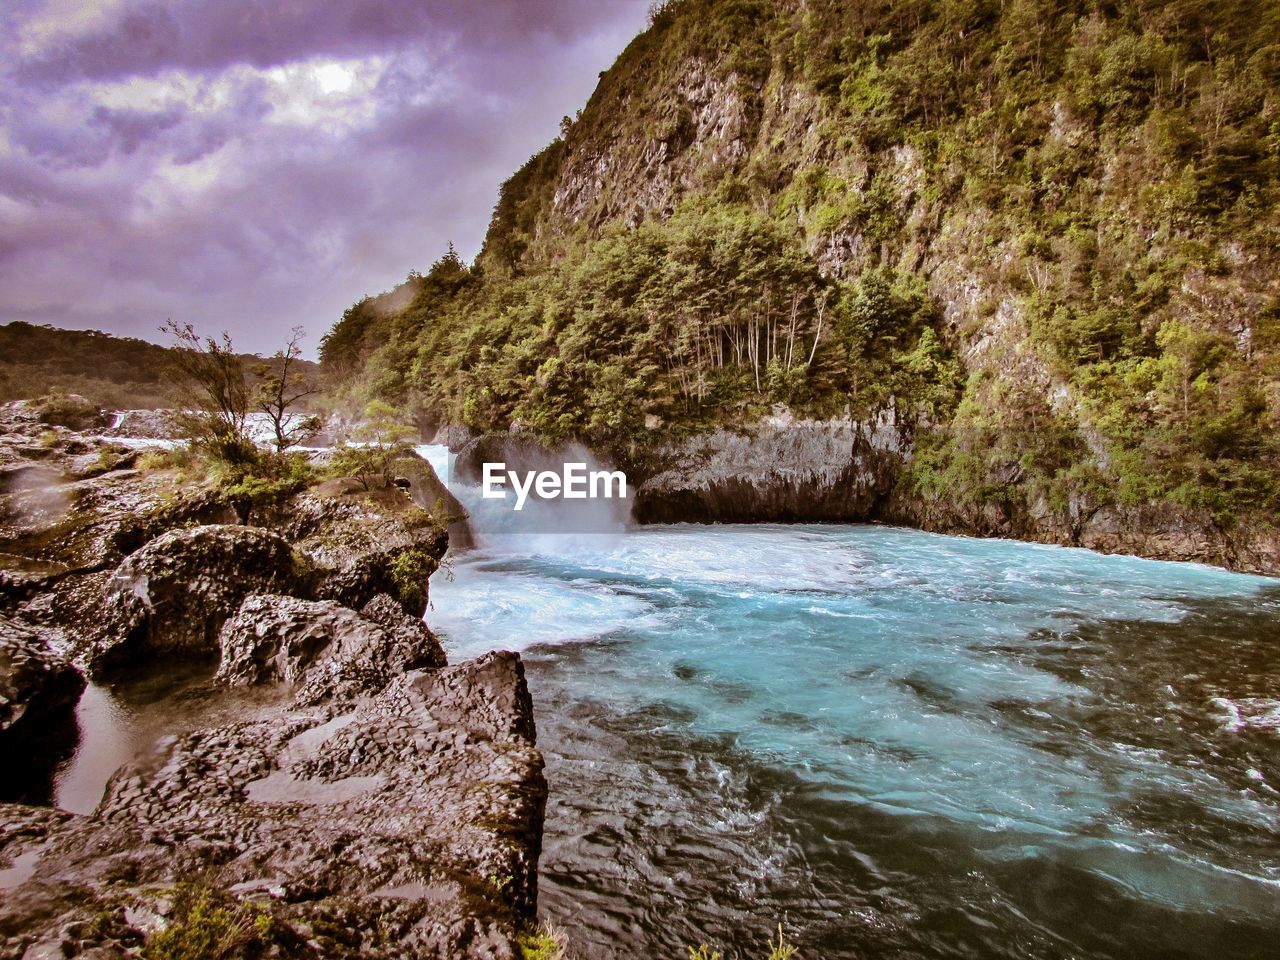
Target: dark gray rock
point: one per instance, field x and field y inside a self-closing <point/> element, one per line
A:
<point x="407" y="825"/>
<point x="330" y="651"/>
<point x="35" y="682"/>
<point x="175" y="593"/>
<point x="274" y="639"/>
<point x="780" y="470"/>
<point x="453" y="435"/>
<point x="357" y="551"/>
<point x="1160" y="532"/>
<point x="429" y="492"/>
<point x="368" y="811"/>
<point x="422" y="649"/>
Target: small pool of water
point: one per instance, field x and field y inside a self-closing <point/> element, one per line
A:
<point x="68" y="765"/>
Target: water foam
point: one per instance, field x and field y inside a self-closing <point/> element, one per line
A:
<point x="1027" y="703"/>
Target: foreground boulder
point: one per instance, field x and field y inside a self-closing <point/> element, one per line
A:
<point x="34" y="681"/>
<point x="173" y="590"/>
<point x="359" y="549"/>
<point x="405" y="825"/>
<point x="174" y="594"/>
<point x="338" y="652"/>
<point x="381" y="805"/>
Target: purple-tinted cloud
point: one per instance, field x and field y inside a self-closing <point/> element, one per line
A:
<point x="198" y="35"/>
<point x="256" y="164"/>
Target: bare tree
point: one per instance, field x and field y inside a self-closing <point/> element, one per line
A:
<point x="281" y="387"/>
<point x="212" y="392"/>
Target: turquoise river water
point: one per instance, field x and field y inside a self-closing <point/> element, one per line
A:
<point x="895" y="744"/>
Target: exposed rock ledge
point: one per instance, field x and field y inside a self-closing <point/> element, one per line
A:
<point x="403" y="822"/>
<point x="383" y="804"/>
<point x="781" y="470"/>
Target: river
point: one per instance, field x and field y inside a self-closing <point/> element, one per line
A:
<point x="894" y="743"/>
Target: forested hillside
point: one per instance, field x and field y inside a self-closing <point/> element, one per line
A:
<point x="116" y="373"/>
<point x="1041" y="237"/>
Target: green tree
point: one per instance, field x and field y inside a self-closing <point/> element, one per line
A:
<point x="375" y="445"/>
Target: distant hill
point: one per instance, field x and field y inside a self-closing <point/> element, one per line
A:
<point x="114" y="372"/>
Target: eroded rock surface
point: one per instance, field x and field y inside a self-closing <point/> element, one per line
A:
<point x="780" y="470"/>
<point x="358" y="551"/>
<point x="34" y="680"/>
<point x="404" y="824"/>
<point x="175" y="593"/>
<point x="331" y="650"/>
<point x="385" y="806"/>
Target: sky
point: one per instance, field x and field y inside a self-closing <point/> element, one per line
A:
<point x="255" y="165"/>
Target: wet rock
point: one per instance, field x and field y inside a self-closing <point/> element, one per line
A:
<point x="429" y="492"/>
<point x="175" y="593"/>
<point x="453" y="435"/>
<point x="144" y="425"/>
<point x="34" y="497"/>
<point x="410" y="634"/>
<point x="331" y="651"/>
<point x="1162" y="533"/>
<point x="406" y="825"/>
<point x="19" y="585"/>
<point x="392" y="808"/>
<point x="780" y="470"/>
<point x="93" y="523"/>
<point x="274" y="639"/>
<point x="518" y="451"/>
<point x="35" y="682"/>
<point x="195" y="507"/>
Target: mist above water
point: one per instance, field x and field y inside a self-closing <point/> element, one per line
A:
<point x="542" y="524"/>
<point x="37" y="497"/>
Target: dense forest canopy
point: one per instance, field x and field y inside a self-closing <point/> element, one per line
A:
<point x="1040" y="236"/>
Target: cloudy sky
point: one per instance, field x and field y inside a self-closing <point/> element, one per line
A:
<point x="252" y="165"/>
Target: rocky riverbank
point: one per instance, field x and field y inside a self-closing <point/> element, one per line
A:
<point x="380" y="803"/>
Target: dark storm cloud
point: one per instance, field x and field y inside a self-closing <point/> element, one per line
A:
<point x="132" y="128"/>
<point x="203" y="35"/>
<point x="258" y="165"/>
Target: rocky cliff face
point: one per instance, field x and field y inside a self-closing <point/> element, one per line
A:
<point x="779" y="470"/>
<point x="1086" y="197"/>
<point x="784" y="471"/>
